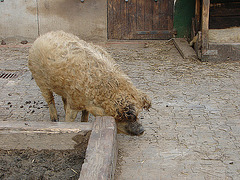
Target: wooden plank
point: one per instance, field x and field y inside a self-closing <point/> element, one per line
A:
<point x="224" y="22"/>
<point x="132" y="18"/>
<point x="205" y="25"/>
<point x="223" y="12"/>
<point x="148" y="17"/>
<point x="43" y="135"/>
<point x="156" y="15"/>
<point x="164" y="14"/>
<point x="170" y="14"/>
<point x="140" y="17"/>
<point x="123" y="19"/>
<point x="156" y="18"/>
<point x="118" y="19"/>
<point x="197" y="15"/>
<point x="164" y="6"/>
<point x="110" y="20"/>
<point x="114" y="19"/>
<point x="101" y="154"/>
<point x="184" y="49"/>
<point x="43" y="126"/>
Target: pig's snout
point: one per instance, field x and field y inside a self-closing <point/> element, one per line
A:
<point x="135" y="129"/>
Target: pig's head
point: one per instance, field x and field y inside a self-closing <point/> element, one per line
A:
<point x="127" y="117"/>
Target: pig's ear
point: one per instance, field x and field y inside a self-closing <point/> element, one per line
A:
<point x="146" y="102"/>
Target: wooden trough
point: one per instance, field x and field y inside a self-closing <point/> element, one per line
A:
<point x="101" y="152"/>
<point x="216" y="15"/>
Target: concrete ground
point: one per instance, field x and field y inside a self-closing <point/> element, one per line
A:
<point x="192" y="130"/>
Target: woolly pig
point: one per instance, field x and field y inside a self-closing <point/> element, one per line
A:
<point x="88" y="80"/>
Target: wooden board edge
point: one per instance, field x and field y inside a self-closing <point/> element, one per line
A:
<point x="184" y="48"/>
<point x="45" y="126"/>
<point x="43" y="135"/>
<point x="101" y="154"/>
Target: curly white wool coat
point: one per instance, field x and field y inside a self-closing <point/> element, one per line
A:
<point x="84" y="75"/>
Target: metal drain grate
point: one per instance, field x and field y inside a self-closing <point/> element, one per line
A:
<point x="9" y="75"/>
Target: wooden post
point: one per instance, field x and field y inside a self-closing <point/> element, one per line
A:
<point x="205" y="25"/>
<point x="197" y="15"/>
<point x="101" y="154"/>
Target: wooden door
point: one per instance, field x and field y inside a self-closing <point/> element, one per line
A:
<point x="140" y="19"/>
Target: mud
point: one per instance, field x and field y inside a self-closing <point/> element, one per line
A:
<point x="45" y="164"/>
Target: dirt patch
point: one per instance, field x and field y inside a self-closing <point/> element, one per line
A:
<point x="44" y="164"/>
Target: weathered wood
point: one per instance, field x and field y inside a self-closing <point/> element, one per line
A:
<point x="44" y="126"/>
<point x="125" y="19"/>
<point x="156" y="15"/>
<point x="193" y="29"/>
<point x="101" y="155"/>
<point x="114" y="30"/>
<point x="198" y="44"/>
<point x="148" y="16"/>
<point x="43" y="135"/>
<point x="131" y="19"/>
<point x="205" y="25"/>
<point x="224" y="15"/>
<point x="197" y="15"/>
<point x="184" y="49"/>
<point x="170" y="14"/>
<point x="222" y="52"/>
<point x="224" y="12"/>
<point x="110" y="19"/>
<point x="140" y="18"/>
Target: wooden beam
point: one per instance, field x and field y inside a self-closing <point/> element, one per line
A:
<point x="101" y="154"/>
<point x="43" y="135"/>
<point x="197" y="15"/>
<point x="44" y="126"/>
<point x="205" y="25"/>
<point x="184" y="48"/>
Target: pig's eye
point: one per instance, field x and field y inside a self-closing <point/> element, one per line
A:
<point x="130" y="116"/>
<point x="128" y="113"/>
